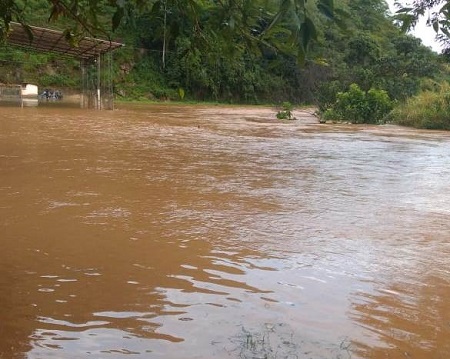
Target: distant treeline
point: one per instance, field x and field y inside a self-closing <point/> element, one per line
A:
<point x="235" y="54"/>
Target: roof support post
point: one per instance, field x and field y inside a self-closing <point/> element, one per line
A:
<point x="83" y="84"/>
<point x="99" y="69"/>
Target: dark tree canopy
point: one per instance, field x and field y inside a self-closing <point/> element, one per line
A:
<point x="257" y="21"/>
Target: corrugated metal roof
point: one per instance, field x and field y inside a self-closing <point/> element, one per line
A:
<point x="48" y="40"/>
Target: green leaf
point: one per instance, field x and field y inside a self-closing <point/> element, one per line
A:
<point x="445" y="31"/>
<point x="117" y="17"/>
<point x="436" y="26"/>
<point x="275" y="21"/>
<point x="326" y="7"/>
<point x="404" y="10"/>
<point x="407" y="21"/>
<point x="308" y="32"/>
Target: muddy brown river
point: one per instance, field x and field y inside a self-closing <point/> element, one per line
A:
<point x="182" y="232"/>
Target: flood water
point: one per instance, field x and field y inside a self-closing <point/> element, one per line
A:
<point x="210" y="232"/>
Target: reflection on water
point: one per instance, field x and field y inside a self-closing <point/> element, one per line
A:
<point x="199" y="232"/>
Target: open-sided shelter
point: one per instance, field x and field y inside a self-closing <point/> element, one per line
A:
<point x="95" y="56"/>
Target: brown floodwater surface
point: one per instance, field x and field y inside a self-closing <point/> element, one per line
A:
<point x="158" y="231"/>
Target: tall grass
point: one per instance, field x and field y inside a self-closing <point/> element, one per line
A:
<point x="428" y="110"/>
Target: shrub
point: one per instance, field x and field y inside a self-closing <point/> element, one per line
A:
<point x="428" y="110"/>
<point x="379" y="105"/>
<point x="358" y="106"/>
<point x="326" y="94"/>
<point x="286" y="111"/>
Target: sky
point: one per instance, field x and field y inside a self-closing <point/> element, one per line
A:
<point x="421" y="30"/>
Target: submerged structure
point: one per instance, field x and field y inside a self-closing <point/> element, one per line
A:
<point x="22" y="95"/>
<point x="95" y="56"/>
<point x="10" y="93"/>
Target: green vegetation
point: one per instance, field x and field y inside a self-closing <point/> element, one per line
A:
<point x="348" y="58"/>
<point x="428" y="110"/>
<point x="358" y="106"/>
<point x="286" y="111"/>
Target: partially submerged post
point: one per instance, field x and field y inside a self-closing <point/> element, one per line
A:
<point x="96" y="78"/>
<point x="99" y="98"/>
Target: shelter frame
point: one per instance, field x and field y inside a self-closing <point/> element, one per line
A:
<point x="95" y="56"/>
<point x="97" y="82"/>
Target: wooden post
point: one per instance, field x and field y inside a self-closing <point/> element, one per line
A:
<point x="83" y="79"/>
<point x="21" y="96"/>
<point x="99" y="98"/>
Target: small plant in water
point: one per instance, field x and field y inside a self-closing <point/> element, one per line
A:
<point x="270" y="341"/>
<point x="277" y="341"/>
<point x="286" y="111"/>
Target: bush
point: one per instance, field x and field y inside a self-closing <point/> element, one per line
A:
<point x="379" y="105"/>
<point x="358" y="106"/>
<point x="326" y="94"/>
<point x="286" y="111"/>
<point x="428" y="110"/>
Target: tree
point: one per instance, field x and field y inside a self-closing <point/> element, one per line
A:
<point x="258" y="22"/>
<point x="241" y="50"/>
<point x="437" y="13"/>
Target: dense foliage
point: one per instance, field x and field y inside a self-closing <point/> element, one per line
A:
<point x="358" y="106"/>
<point x="239" y="51"/>
<point x="428" y="110"/>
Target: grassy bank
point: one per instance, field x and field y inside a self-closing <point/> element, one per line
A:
<point x="428" y="110"/>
